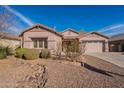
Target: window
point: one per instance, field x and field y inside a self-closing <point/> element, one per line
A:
<point x="40" y="42"/>
<point x="35" y="43"/>
<point x="45" y="43"/>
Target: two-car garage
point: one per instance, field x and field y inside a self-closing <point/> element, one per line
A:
<point x="94" y="42"/>
<point x="93" y="46"/>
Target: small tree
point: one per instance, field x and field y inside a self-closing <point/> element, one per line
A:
<point x="82" y="49"/>
<point x="7" y="20"/>
<point x="75" y="50"/>
<point x="72" y="49"/>
<point x="58" y="51"/>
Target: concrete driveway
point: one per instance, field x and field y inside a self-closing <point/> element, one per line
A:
<point x="115" y="58"/>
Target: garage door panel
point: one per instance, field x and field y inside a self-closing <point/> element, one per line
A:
<point x="94" y="46"/>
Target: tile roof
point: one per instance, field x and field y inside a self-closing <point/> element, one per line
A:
<point x="85" y="34"/>
<point x="81" y="33"/>
<point x="117" y="37"/>
<point x="41" y="26"/>
<point x="70" y="29"/>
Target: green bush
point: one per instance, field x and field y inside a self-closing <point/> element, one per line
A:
<point x="20" y="52"/>
<point x="3" y="54"/>
<point x="9" y="51"/>
<point x="45" y="53"/>
<point x="31" y="54"/>
<point x="5" y="51"/>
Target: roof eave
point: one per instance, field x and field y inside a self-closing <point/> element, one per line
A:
<point x="42" y="26"/>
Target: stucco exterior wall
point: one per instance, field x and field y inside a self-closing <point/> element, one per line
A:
<point x="92" y="37"/>
<point x="96" y="43"/>
<point x="69" y="33"/>
<point x="53" y="39"/>
<point x="11" y="43"/>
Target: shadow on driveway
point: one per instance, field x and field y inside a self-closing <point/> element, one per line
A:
<point x="92" y="68"/>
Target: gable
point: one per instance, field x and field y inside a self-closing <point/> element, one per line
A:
<point x="93" y="37"/>
<point x="9" y="36"/>
<point x="38" y="28"/>
<point x="70" y="33"/>
<point x="40" y="33"/>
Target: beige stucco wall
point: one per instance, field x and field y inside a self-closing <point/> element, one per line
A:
<point x="66" y="33"/>
<point x="53" y="39"/>
<point x="95" y="46"/>
<point x="93" y="37"/>
<point x="11" y="43"/>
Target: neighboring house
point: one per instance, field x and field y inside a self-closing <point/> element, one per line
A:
<point x="40" y="37"/>
<point x="116" y="43"/>
<point x="10" y="40"/>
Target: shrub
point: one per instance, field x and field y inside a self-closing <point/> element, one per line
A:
<point x="5" y="51"/>
<point x="2" y="54"/>
<point x="31" y="54"/>
<point x="45" y="53"/>
<point x="20" y="52"/>
<point x="9" y="51"/>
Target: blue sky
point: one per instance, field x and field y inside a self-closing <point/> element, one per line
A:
<point x="108" y="20"/>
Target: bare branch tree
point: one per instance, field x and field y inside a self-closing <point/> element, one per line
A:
<point x="7" y="20"/>
<point x="72" y="50"/>
<point x="58" y="50"/>
<point x="82" y="49"/>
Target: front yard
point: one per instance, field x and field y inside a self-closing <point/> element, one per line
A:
<point x="94" y="73"/>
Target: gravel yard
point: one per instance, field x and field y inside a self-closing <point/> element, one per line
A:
<point x="94" y="73"/>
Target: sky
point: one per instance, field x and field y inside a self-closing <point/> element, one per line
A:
<point x="108" y="20"/>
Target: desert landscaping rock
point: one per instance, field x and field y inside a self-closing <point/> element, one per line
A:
<point x="60" y="74"/>
<point x="69" y="75"/>
<point x="14" y="74"/>
<point x="37" y="79"/>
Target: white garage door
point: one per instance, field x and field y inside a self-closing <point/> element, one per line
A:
<point x="94" y="46"/>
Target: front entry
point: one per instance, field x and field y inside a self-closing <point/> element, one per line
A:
<point x="70" y="45"/>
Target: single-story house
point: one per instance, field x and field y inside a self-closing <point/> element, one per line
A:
<point x="10" y="40"/>
<point x="116" y="43"/>
<point x="40" y="37"/>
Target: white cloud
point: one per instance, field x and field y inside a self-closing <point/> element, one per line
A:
<point x="110" y="28"/>
<point x="22" y="17"/>
<point x="112" y="33"/>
